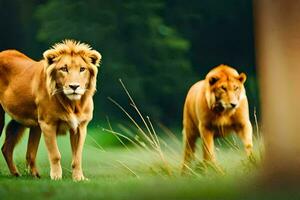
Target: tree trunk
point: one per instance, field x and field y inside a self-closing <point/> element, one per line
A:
<point x="277" y="30"/>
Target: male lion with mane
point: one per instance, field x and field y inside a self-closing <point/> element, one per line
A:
<point x="215" y="107"/>
<point x="51" y="96"/>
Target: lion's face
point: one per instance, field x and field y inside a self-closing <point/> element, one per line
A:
<point x="72" y="76"/>
<point x="225" y="92"/>
<point x="71" y="69"/>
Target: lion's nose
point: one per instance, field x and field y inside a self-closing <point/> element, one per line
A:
<point x="233" y="105"/>
<point x="73" y="86"/>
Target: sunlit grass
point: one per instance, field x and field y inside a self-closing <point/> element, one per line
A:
<point x="121" y="173"/>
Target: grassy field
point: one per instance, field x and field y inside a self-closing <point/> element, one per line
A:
<point x="135" y="172"/>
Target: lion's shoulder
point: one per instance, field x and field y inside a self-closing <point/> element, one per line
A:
<point x="196" y="91"/>
<point x="197" y="87"/>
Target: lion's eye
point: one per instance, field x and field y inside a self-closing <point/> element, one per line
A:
<point x="236" y="88"/>
<point x="82" y="69"/>
<point x="224" y="88"/>
<point x="64" y="69"/>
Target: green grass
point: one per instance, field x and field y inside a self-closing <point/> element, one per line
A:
<point x="124" y="173"/>
<point x="135" y="173"/>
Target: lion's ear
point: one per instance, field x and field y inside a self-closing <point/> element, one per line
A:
<point x="49" y="56"/>
<point x="212" y="80"/>
<point x="242" y="78"/>
<point x="95" y="57"/>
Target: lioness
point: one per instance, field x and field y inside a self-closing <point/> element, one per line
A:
<point x="214" y="107"/>
<point x="51" y="96"/>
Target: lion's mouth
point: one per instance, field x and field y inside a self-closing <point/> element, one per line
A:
<point x="73" y="92"/>
<point x="74" y="96"/>
<point x="218" y="109"/>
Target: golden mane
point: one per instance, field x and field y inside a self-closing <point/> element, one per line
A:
<point x="71" y="48"/>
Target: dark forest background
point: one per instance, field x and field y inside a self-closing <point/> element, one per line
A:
<point x="159" y="48"/>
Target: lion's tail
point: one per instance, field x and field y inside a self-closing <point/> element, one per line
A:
<point x="2" y="119"/>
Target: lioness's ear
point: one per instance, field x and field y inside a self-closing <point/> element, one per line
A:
<point x="95" y="57"/>
<point x="49" y="56"/>
<point x="212" y="80"/>
<point x="242" y="78"/>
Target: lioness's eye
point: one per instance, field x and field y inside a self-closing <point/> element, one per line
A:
<point x="64" y="69"/>
<point x="82" y="69"/>
<point x="224" y="88"/>
<point x="236" y="88"/>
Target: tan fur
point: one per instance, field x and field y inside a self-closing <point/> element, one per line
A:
<point x="209" y="112"/>
<point x="51" y="96"/>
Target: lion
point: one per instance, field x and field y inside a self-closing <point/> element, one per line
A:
<point x="51" y="96"/>
<point x="215" y="107"/>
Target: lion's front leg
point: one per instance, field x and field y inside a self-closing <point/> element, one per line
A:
<point x="207" y="137"/>
<point x="77" y="143"/>
<point x="49" y="133"/>
<point x="245" y="133"/>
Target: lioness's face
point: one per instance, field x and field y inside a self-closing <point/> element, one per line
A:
<point x="72" y="76"/>
<point x="226" y="92"/>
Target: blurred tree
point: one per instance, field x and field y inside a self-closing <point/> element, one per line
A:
<point x="219" y="31"/>
<point x="136" y="44"/>
<point x="10" y="26"/>
<point x="278" y="43"/>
